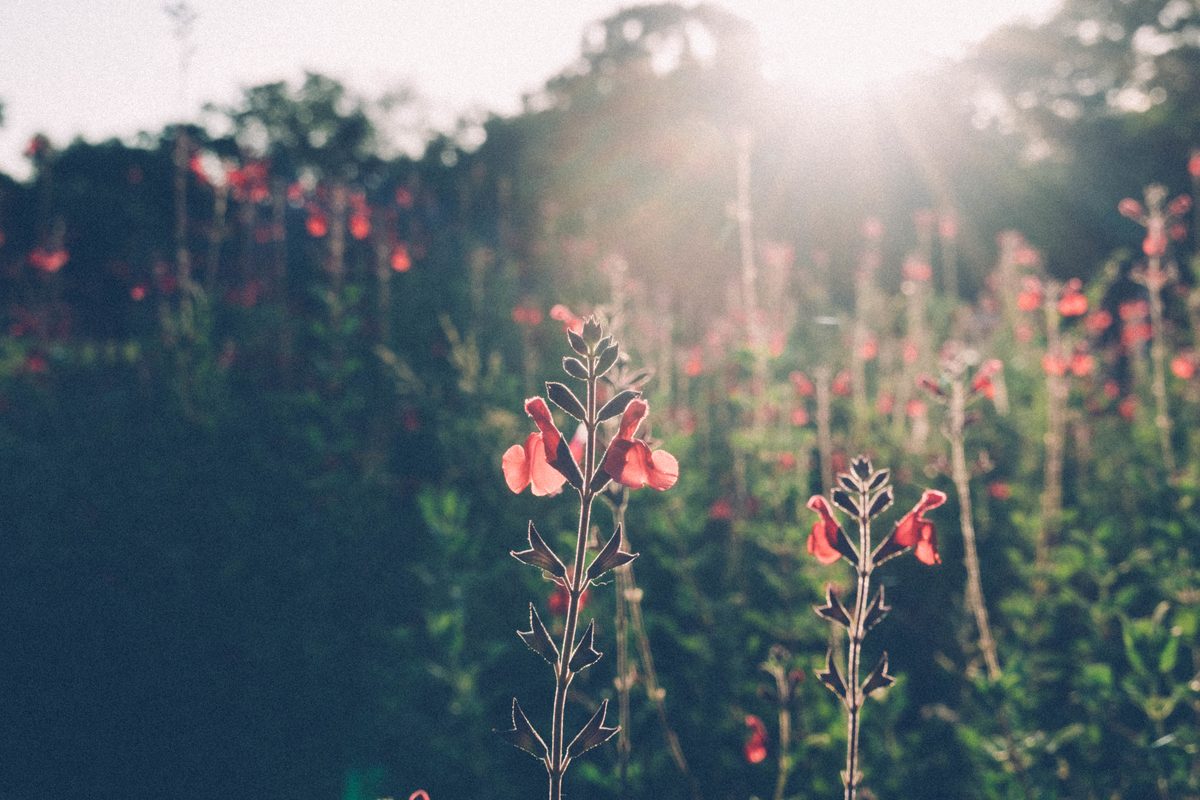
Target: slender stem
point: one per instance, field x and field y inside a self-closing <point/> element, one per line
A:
<point x="857" y="634"/>
<point x="576" y="583"/>
<point x="958" y="465"/>
<point x="1158" y="351"/>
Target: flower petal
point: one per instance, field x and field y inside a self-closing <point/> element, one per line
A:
<point x="926" y="551"/>
<point x="628" y="463"/>
<point x="632" y="417"/>
<point x="544" y="478"/>
<point x="664" y="470"/>
<point x="536" y="407"/>
<point x="516" y="468"/>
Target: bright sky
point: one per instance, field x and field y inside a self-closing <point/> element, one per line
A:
<point x="102" y="68"/>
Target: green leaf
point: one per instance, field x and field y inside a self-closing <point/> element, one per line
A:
<point x="1166" y="661"/>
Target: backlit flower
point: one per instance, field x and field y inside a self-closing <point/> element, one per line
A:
<point x="1072" y="303"/>
<point x="914" y="529"/>
<point x="531" y="464"/>
<point x="570" y="321"/>
<point x="630" y="462"/>
<point x="825" y="532"/>
<point x="756" y="746"/>
<point x="1183" y="367"/>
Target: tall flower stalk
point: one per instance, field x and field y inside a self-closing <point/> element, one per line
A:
<point x="545" y="462"/>
<point x="864" y="494"/>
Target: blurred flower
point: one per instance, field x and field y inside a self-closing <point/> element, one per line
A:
<point x="1193" y="164"/>
<point x="1136" y="332"/>
<point x="360" y="225"/>
<point x="1098" y="322"/>
<point x="630" y="462"/>
<point x="1054" y="364"/>
<point x="419" y="794"/>
<point x="1024" y="334"/>
<point x="1133" y="309"/>
<point x="924" y="219"/>
<point x="983" y="377"/>
<point x="1112" y="389"/>
<point x="914" y="529"/>
<point x="48" y="260"/>
<point x="910" y="353"/>
<point x="869" y="349"/>
<point x="825" y="532"/>
<point x="777" y="343"/>
<point x="1082" y="364"/>
<point x="527" y="315"/>
<point x="841" y="384"/>
<point x="915" y="269"/>
<point x="570" y="321"/>
<point x="756" y="746"/>
<point x="1183" y="367"/>
<point x="316" y="224"/>
<point x="947" y="226"/>
<point x="1073" y="303"/>
<point x="872" y="228"/>
<point x="799" y="416"/>
<point x="999" y="490"/>
<point x="721" y="510"/>
<point x="787" y="460"/>
<point x="1179" y="206"/>
<point x="1030" y="296"/>
<point x="401" y="261"/>
<point x="695" y="362"/>
<point x="138" y="292"/>
<point x="801" y="383"/>
<point x="916" y="409"/>
<point x="1130" y="208"/>
<point x="1128" y="408"/>
<point x="885" y="402"/>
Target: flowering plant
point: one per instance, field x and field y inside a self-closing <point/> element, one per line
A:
<point x="546" y="462"/>
<point x="864" y="494"/>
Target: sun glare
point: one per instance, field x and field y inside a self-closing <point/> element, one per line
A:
<point x="846" y="48"/>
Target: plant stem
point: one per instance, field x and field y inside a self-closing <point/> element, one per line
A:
<point x="1158" y="351"/>
<point x="854" y="699"/>
<point x="958" y="466"/>
<point x="576" y="583"/>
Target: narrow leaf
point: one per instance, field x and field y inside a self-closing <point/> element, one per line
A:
<point x="538" y="639"/>
<point x="565" y="399"/>
<point x="849" y="482"/>
<point x="876" y="611"/>
<point x="845" y="502"/>
<point x="880" y="502"/>
<point x="879" y="677"/>
<point x="617" y="405"/>
<point x="641" y="376"/>
<point x="607" y="358"/>
<point x="592" y="734"/>
<point x="604" y="343"/>
<point x="523" y="735"/>
<point x="842" y="545"/>
<point x="575" y="368"/>
<point x="540" y="555"/>
<point x="878" y="479"/>
<point x="831" y="678"/>
<point x="887" y="549"/>
<point x="610" y="557"/>
<point x="600" y="478"/>
<point x="833" y="610"/>
<point x="577" y="343"/>
<point x="564" y="462"/>
<point x="585" y="655"/>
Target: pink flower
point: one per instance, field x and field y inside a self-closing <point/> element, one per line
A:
<point x="530" y="464"/>
<point x="756" y="747"/>
<point x="570" y="321"/>
<point x="801" y="383"/>
<point x="48" y="260"/>
<point x="825" y="532"/>
<point x="630" y="462"/>
<point x="841" y="384"/>
<point x="999" y="490"/>
<point x="914" y="529"/>
<point x="1182" y="367"/>
<point x="1072" y="303"/>
<point x="1130" y="208"/>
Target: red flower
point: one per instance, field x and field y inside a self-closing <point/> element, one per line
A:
<point x="947" y="226"/>
<point x="1082" y="364"/>
<point x="841" y="384"/>
<point x="1072" y="303"/>
<point x="360" y="225"/>
<point x="48" y="261"/>
<point x="1130" y="208"/>
<point x="1098" y="322"/>
<point x="695" y="362"/>
<point x="800" y="381"/>
<point x="419" y="794"/>
<point x="1133" y="309"/>
<point x="999" y="490"/>
<point x="1128" y="408"/>
<point x="1053" y="364"/>
<point x="401" y="261"/>
<point x="1179" y="206"/>
<point x="1194" y="164"/>
<point x="983" y="377"/>
<point x="527" y="315"/>
<point x="914" y="529"/>
<point x="916" y="409"/>
<point x="756" y="747"/>
<point x="1155" y="244"/>
<point x="799" y="416"/>
<point x="910" y="353"/>
<point x="885" y="403"/>
<point x="869" y="349"/>
<point x="916" y="270"/>
<point x="316" y="225"/>
<point x="787" y="460"/>
<point x="1182" y="367"/>
<point x="530" y="465"/>
<point x="825" y="532"/>
<point x="1112" y="389"/>
<point x="570" y="321"/>
<point x="722" y="510"/>
<point x="777" y="343"/>
<point x="630" y="462"/>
